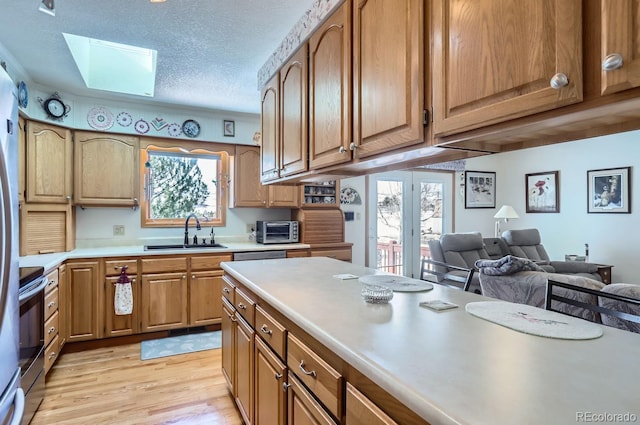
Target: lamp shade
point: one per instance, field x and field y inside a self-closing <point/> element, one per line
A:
<point x="506" y="211"/>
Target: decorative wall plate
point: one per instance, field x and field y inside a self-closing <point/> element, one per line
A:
<point x="159" y="123"/>
<point x="141" y="126"/>
<point x="100" y="118"/>
<point x="124" y="119"/>
<point x="23" y="95"/>
<point x="174" y="129"/>
<point x="191" y="128"/>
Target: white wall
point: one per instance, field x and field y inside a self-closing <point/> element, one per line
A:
<point x="612" y="238"/>
<point x="354" y="231"/>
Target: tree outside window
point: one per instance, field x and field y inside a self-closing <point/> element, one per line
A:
<point x="178" y="183"/>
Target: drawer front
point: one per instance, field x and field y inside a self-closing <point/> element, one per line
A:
<point x="338" y="254"/>
<point x="323" y="380"/>
<point x="50" y="303"/>
<point x="245" y="306"/>
<point x="209" y="262"/>
<point x="53" y="281"/>
<point x="51" y="354"/>
<point x="229" y="290"/>
<point x="164" y="265"/>
<point x="51" y="328"/>
<point x="112" y="267"/>
<point x="271" y="331"/>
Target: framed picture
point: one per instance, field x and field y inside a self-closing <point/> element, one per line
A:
<point x="609" y="190"/>
<point x="480" y="189"/>
<point x="229" y="128"/>
<point x="543" y="192"/>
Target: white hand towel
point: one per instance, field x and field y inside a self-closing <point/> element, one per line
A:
<point x="123" y="301"/>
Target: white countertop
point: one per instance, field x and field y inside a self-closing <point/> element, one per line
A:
<point x="49" y="261"/>
<point x="450" y="367"/>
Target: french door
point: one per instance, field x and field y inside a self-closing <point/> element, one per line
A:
<point x="405" y="210"/>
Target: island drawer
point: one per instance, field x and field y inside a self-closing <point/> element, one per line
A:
<point x="229" y="290"/>
<point x="208" y="262"/>
<point x="50" y="303"/>
<point x="164" y="265"/>
<point x="321" y="379"/>
<point x="245" y="306"/>
<point x="271" y="331"/>
<point x="51" y="328"/>
<point x="113" y="267"/>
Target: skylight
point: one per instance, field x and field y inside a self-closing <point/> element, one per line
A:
<point x="114" y="67"/>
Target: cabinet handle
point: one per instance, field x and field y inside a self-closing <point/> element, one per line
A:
<point x="559" y="81"/>
<point x="51" y="283"/>
<point x="68" y="198"/>
<point x="612" y="62"/>
<point x="52" y="355"/>
<point x="278" y="375"/>
<point x="52" y="329"/>
<point x="184" y="276"/>
<point x="353" y="146"/>
<point x="242" y="306"/>
<point x="51" y="304"/>
<point x="311" y="373"/>
<point x="341" y="149"/>
<point x="225" y="290"/>
<point x="265" y="330"/>
<point x="285" y="386"/>
<point x="193" y="276"/>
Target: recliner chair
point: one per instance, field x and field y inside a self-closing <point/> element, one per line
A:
<point x="526" y="243"/>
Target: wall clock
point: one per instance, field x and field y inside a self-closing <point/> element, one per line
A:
<point x="55" y="107"/>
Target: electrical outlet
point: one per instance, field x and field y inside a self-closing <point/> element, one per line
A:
<point x="118" y="230"/>
<point x="250" y="228"/>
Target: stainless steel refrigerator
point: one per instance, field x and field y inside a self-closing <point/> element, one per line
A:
<point x="11" y="395"/>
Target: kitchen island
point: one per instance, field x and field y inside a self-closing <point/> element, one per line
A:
<point x="448" y="367"/>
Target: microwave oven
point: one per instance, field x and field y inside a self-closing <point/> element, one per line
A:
<point x="277" y="231"/>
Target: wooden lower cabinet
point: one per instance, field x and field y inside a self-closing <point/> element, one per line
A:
<point x="84" y="303"/>
<point x="164" y="301"/>
<point x="205" y="306"/>
<point x="302" y="408"/>
<point x="270" y="387"/>
<point x="362" y="411"/>
<point x="244" y="369"/>
<point x="120" y="325"/>
<point x="228" y="328"/>
<point x="63" y="306"/>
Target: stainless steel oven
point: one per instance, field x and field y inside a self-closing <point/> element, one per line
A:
<point x="31" y="325"/>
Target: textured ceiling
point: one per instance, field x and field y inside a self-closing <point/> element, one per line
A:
<point x="209" y="51"/>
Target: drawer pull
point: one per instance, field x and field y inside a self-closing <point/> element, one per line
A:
<point x="265" y="330"/>
<point x="52" y="329"/>
<point x="242" y="306"/>
<point x="52" y="282"/>
<point x="52" y="355"/>
<point x="285" y="386"/>
<point x="225" y="290"/>
<point x="311" y="373"/>
<point x="278" y="375"/>
<point x="51" y="304"/>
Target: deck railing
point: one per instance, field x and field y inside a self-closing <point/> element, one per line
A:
<point x="390" y="256"/>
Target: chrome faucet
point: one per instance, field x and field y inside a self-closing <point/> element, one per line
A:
<point x="186" y="227"/>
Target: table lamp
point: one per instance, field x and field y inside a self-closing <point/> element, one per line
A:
<point x="504" y="213"/>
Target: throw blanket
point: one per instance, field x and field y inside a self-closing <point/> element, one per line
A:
<point x="508" y="264"/>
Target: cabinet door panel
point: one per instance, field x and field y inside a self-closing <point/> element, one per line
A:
<point x="293" y="114"/>
<point x="388" y="80"/>
<point x="119" y="325"/>
<point x="493" y="60"/>
<point x="270" y="115"/>
<point x="362" y="411"/>
<point x="49" y="163"/>
<point x="620" y="28"/>
<point x="228" y="328"/>
<point x="329" y="90"/>
<point x="205" y="306"/>
<point x="270" y="399"/>
<point x="84" y="306"/>
<point x="244" y="370"/>
<point x="302" y="408"/>
<point x="247" y="190"/>
<point x="164" y="301"/>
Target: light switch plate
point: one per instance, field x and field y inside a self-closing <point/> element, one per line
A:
<point x="118" y="230"/>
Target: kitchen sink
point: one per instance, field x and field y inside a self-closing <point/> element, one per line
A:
<point x="182" y="246"/>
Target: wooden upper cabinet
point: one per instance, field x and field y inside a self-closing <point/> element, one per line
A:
<point x="329" y="90"/>
<point x="246" y="188"/>
<point x="388" y="78"/>
<point x="495" y="60"/>
<point x="49" y="164"/>
<point x="283" y="196"/>
<point x="106" y="169"/>
<point x="293" y="114"/>
<point x="270" y="115"/>
<point x="620" y="45"/>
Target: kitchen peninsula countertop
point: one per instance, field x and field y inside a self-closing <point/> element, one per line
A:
<point x="450" y="367"/>
<point x="49" y="261"/>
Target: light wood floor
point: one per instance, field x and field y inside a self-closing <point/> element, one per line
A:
<point x="113" y="386"/>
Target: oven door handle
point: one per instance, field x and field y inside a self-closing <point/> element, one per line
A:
<point x="33" y="291"/>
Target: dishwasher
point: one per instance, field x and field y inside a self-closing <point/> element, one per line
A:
<point x="259" y="255"/>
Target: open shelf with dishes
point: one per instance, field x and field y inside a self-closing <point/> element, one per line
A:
<point x="320" y="194"/>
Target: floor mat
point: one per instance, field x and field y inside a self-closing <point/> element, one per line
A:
<point x="171" y="346"/>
